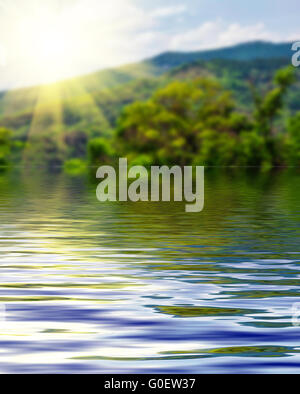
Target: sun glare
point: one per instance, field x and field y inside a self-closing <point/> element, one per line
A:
<point x="52" y="45"/>
<point x="51" y="40"/>
<point x="49" y="47"/>
<point x="48" y="43"/>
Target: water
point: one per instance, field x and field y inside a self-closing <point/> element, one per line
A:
<point x="87" y="287"/>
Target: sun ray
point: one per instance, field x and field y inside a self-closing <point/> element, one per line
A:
<point x="47" y="124"/>
<point x="50" y="120"/>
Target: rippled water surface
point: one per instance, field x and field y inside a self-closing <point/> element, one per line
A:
<point x="87" y="287"/>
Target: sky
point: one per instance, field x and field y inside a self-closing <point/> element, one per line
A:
<point x="42" y="41"/>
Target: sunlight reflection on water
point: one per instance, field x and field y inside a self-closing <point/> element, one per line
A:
<point x="145" y="287"/>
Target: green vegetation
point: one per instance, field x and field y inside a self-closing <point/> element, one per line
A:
<point x="75" y="167"/>
<point x="100" y="151"/>
<point x="196" y="122"/>
<point x="292" y="141"/>
<point x="5" y="146"/>
<point x="228" y="107"/>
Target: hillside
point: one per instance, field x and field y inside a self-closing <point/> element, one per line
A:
<point x="23" y="100"/>
<point x="90" y="105"/>
<point x="245" y="51"/>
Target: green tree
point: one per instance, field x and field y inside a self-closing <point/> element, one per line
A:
<point x="267" y="107"/>
<point x="179" y="123"/>
<point x="100" y="151"/>
<point x="5" y="146"/>
<point x="195" y="122"/>
<point x="292" y="142"/>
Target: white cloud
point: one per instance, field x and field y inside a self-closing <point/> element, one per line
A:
<point x="169" y="11"/>
<point x="95" y="34"/>
<point x="98" y="34"/>
<point x="215" y="34"/>
<point x="293" y="37"/>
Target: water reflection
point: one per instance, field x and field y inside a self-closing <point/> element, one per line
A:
<point x="145" y="287"/>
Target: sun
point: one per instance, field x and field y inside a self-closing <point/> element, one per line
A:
<point x="52" y="45"/>
<point x="53" y="50"/>
<point x="49" y="44"/>
<point x="54" y="40"/>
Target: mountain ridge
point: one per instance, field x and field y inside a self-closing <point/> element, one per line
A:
<point x="93" y="102"/>
<point x="243" y="51"/>
<point x="157" y="64"/>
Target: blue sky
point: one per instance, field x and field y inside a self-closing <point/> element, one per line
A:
<point x="48" y="40"/>
<point x="278" y="15"/>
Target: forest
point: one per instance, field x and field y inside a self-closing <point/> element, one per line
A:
<point x="236" y="111"/>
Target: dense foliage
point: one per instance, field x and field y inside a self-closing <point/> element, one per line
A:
<point x="196" y="122"/>
<point x="215" y="108"/>
<point x="5" y="146"/>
